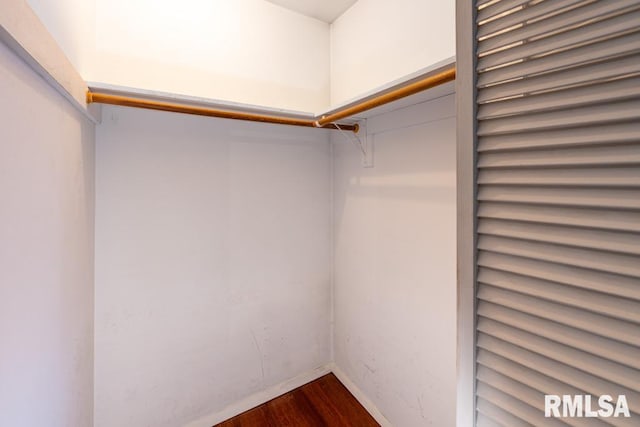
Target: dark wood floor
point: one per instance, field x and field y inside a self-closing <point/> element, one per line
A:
<point x="324" y="402"/>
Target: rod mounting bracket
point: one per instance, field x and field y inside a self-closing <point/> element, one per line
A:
<point x="362" y="141"/>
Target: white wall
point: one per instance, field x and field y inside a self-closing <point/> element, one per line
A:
<point x="46" y="254"/>
<point x="72" y="25"/>
<point x="248" y="51"/>
<point x="378" y="41"/>
<point x="395" y="265"/>
<point x="213" y="255"/>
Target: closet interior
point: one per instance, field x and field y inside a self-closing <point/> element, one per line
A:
<point x="212" y="203"/>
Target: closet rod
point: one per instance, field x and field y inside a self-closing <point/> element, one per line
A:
<point x="127" y="101"/>
<point x="325" y="121"/>
<point x="429" y="82"/>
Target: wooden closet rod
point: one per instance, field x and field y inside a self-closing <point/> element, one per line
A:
<point x="128" y="101"/>
<point x="324" y="121"/>
<point x="429" y="82"/>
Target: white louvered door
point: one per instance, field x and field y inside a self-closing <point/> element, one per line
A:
<point x="558" y="207"/>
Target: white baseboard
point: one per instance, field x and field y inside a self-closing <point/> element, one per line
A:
<point x="261" y="397"/>
<point x="361" y="397"/>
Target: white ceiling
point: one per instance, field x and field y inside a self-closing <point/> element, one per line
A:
<point x="324" y="10"/>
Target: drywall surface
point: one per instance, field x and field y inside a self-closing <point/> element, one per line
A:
<point x="213" y="254"/>
<point x="72" y="25"/>
<point x="395" y="264"/>
<point x="46" y="254"/>
<point x="248" y="51"/>
<point x="378" y="41"/>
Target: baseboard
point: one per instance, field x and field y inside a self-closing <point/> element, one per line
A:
<point x="360" y="397"/>
<point x="261" y="397"/>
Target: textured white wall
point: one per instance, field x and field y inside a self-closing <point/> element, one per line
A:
<point x="248" y="51"/>
<point x="395" y="275"/>
<point x="46" y="254"/>
<point x="378" y="41"/>
<point x="213" y="255"/>
<point x="72" y="23"/>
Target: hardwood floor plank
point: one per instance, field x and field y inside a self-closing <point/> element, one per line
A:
<point x="292" y="410"/>
<point x="332" y="399"/>
<point x="325" y="402"/>
<point x="258" y="417"/>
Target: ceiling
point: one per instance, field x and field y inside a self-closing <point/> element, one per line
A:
<point x="324" y="10"/>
